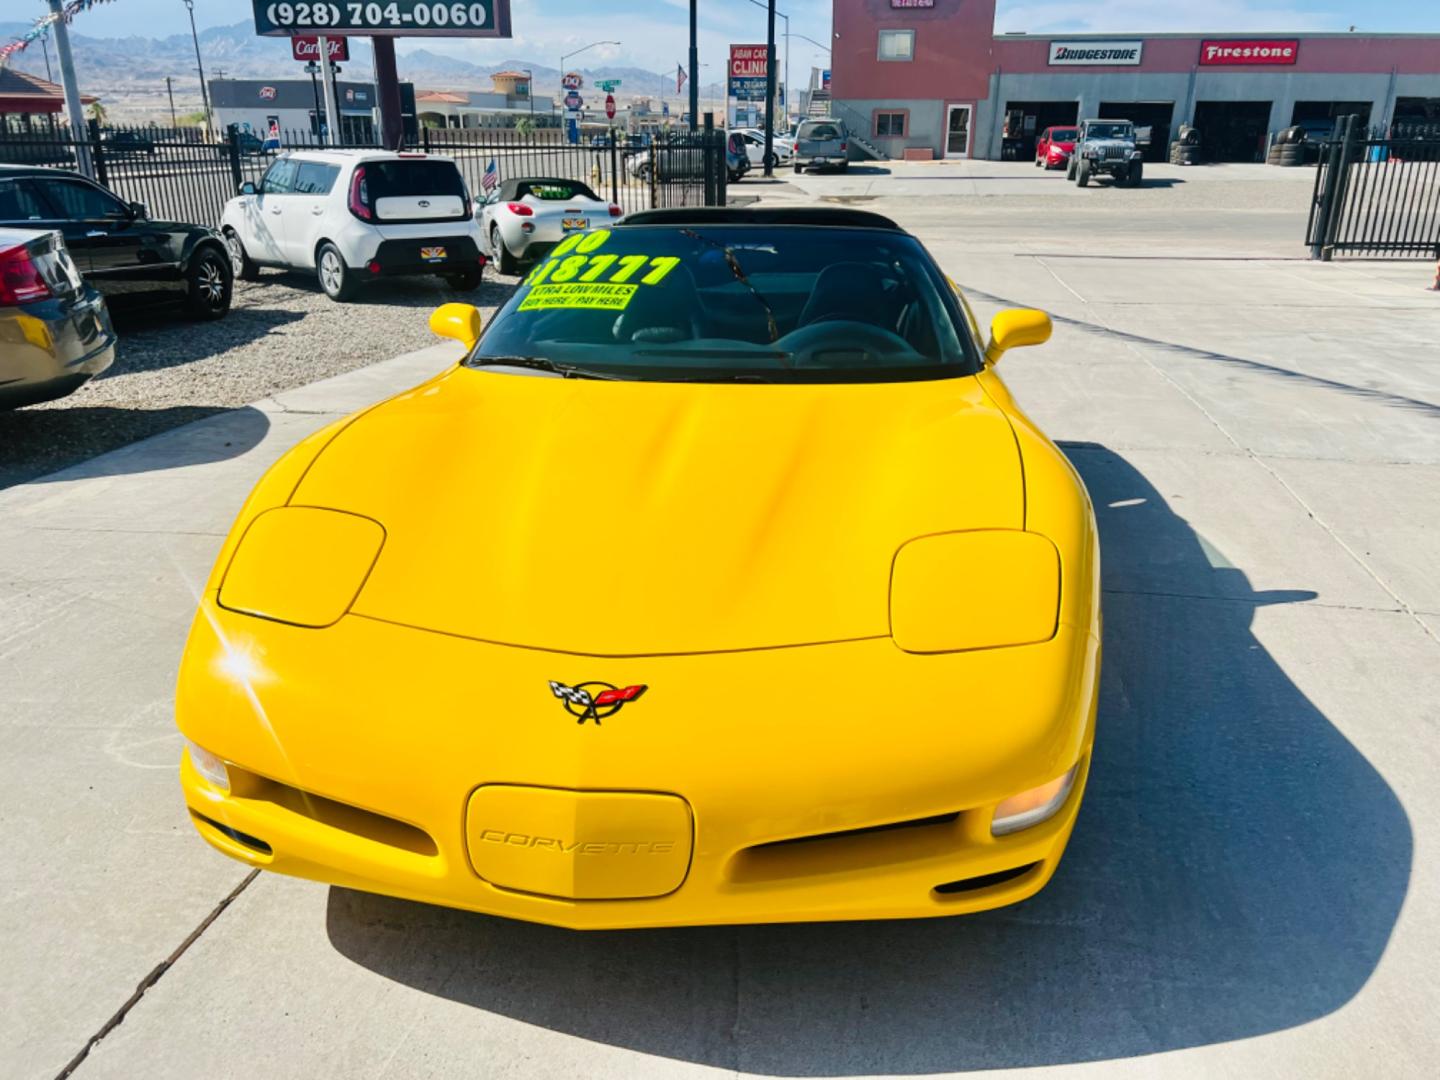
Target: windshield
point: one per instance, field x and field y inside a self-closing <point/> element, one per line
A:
<point x="790" y="303"/>
<point x="1062" y="135"/>
<point x="553" y="190"/>
<point x="819" y="131"/>
<point x="1109" y="131"/>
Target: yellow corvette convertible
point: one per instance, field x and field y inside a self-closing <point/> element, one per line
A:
<point x="722" y="581"/>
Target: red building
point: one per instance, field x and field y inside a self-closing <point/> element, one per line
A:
<point x="29" y="103"/>
<point x="932" y="75"/>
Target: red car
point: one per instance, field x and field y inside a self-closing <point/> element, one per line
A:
<point x="1054" y="147"/>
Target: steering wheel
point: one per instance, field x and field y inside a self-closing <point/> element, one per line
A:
<point x="832" y="333"/>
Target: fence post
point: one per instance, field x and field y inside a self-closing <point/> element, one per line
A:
<point x="232" y="145"/>
<point x="614" y="168"/>
<point x="1336" y="215"/>
<point x="97" y="153"/>
<point x="1322" y="212"/>
<point x="707" y="158"/>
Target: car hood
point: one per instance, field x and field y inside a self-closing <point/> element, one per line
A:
<point x="623" y="518"/>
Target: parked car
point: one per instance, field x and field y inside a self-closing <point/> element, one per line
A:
<point x="1054" y="147"/>
<point x="752" y="141"/>
<point x="822" y="143"/>
<point x="468" y="702"/>
<point x="356" y="216"/>
<point x="680" y="162"/>
<point x="126" y="142"/>
<point x="134" y="261"/>
<point x="524" y="219"/>
<point x="1107" y="147"/>
<point x="55" y="333"/>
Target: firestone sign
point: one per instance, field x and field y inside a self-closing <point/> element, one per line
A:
<point x="1243" y="53"/>
<point x="1093" y="53"/>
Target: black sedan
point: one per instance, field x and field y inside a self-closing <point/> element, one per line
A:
<point x="133" y="261"/>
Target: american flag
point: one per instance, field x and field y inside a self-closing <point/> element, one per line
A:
<point x="679" y="78"/>
<point x="490" y="180"/>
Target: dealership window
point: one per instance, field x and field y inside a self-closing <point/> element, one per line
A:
<point x="889" y="124"/>
<point x="897" y="45"/>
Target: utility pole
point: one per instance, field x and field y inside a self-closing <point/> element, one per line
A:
<point x="770" y="91"/>
<point x="45" y="47"/>
<point x="387" y="88"/>
<point x="694" y="69"/>
<point x="73" y="109"/>
<point x="170" y="93"/>
<point x="332" y="105"/>
<point x="199" y="66"/>
<point x="312" y="69"/>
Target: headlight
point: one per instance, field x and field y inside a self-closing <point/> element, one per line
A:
<point x="209" y="766"/>
<point x="301" y="565"/>
<point x="974" y="590"/>
<point x="1033" y="806"/>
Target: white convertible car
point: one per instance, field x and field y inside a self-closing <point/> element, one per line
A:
<point x="524" y="219"/>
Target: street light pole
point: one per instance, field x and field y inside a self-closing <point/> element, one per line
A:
<point x="770" y="91"/>
<point x="73" y="108"/>
<point x="199" y="65"/>
<point x="694" y="69"/>
<point x="577" y="52"/>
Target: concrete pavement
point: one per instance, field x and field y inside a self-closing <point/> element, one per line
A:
<point x="1252" y="888"/>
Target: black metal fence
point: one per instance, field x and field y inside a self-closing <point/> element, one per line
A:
<point x="1376" y="196"/>
<point x="181" y="176"/>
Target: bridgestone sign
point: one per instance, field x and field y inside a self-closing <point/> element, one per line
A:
<point x="1092" y="53"/>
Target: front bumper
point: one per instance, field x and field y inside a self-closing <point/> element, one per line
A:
<point x="796" y="765"/>
<point x="50" y="348"/>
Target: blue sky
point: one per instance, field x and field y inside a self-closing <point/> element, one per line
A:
<point x="653" y="32"/>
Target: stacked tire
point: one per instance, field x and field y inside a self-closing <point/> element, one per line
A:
<point x="1288" y="149"/>
<point x="1184" y="153"/>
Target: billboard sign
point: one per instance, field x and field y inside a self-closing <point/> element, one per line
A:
<point x="393" y="18"/>
<point x="1095" y="53"/>
<point x="1243" y="53"/>
<point x="748" y="89"/>
<point x="572" y="80"/>
<point x="308" y="49"/>
<point x="748" y="61"/>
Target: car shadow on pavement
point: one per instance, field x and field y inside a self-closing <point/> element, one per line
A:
<point x="37" y="442"/>
<point x="1237" y="869"/>
<point x="155" y="339"/>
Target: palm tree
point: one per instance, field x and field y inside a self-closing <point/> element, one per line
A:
<point x="97" y="112"/>
<point x="524" y="126"/>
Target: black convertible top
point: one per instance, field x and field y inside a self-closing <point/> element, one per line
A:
<point x="518" y="188"/>
<point x="836" y="217"/>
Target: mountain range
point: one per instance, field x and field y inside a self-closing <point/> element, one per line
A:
<point x="128" y="74"/>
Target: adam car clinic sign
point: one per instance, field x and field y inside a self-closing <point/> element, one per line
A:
<point x="383" y="18"/>
<point x="747" y="72"/>
<point x="1241" y="53"/>
<point x="1091" y="53"/>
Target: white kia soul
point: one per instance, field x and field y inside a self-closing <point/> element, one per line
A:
<point x="356" y="216"/>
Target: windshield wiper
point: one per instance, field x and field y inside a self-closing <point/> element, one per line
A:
<point x="539" y="363"/>
<point x="771" y="325"/>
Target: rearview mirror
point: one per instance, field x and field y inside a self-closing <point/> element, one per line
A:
<point x="248" y="188"/>
<point x="139" y="211"/>
<point x="1015" y="328"/>
<point x="459" y="322"/>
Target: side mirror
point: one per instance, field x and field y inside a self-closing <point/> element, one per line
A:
<point x="459" y="322"/>
<point x="1014" y="328"/>
<point x="139" y="211"/>
<point x="248" y="188"/>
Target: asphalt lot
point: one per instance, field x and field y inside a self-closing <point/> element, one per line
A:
<point x="1251" y="890"/>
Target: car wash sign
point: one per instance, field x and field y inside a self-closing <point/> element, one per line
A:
<point x="1246" y="53"/>
<point x="390" y="18"/>
<point x="1094" y="53"/>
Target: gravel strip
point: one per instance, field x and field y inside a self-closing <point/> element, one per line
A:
<point x="281" y="332"/>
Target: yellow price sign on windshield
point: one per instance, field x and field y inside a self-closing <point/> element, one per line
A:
<point x="578" y="259"/>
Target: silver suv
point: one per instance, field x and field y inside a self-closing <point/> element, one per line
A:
<point x="822" y="142"/>
<point x="1107" y="146"/>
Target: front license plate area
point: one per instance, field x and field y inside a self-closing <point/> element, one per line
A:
<point x="574" y="224"/>
<point x="432" y="254"/>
